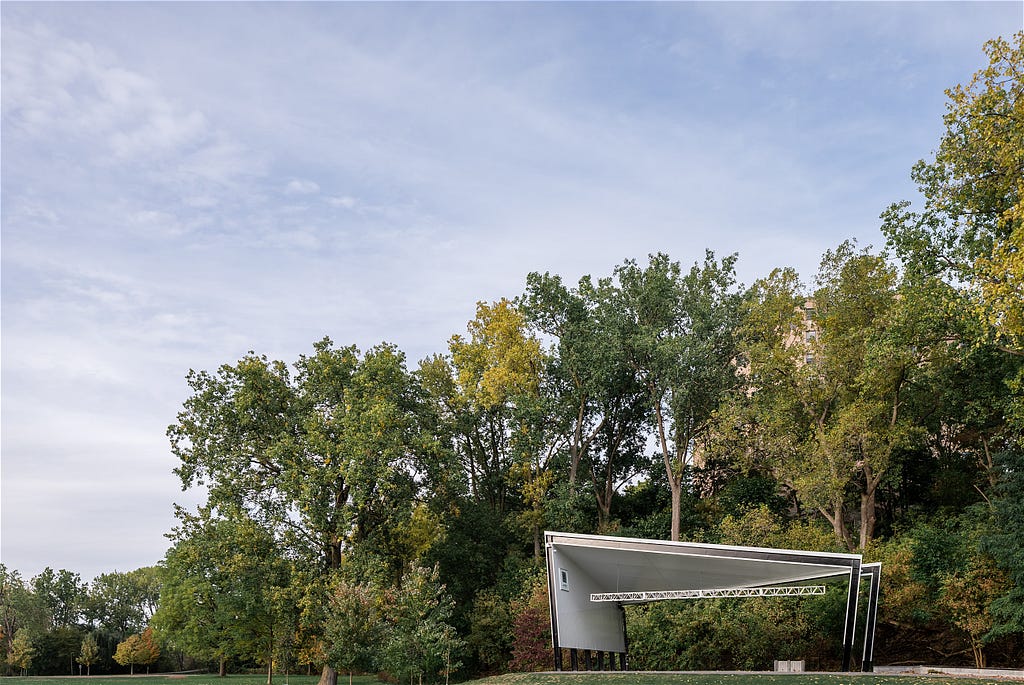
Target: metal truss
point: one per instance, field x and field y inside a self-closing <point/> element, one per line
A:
<point x="654" y="595"/>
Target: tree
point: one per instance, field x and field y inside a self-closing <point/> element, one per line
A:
<point x="129" y="652"/>
<point x="834" y="380"/>
<point x="490" y="635"/>
<point x="90" y="653"/>
<point x="21" y="651"/>
<point x="970" y="229"/>
<point x="64" y="594"/>
<point x="148" y="651"/>
<point x="531" y="631"/>
<point x="970" y="232"/>
<point x="221" y="581"/>
<point x="679" y="334"/>
<point x="1005" y="543"/>
<point x="122" y="603"/>
<point x="419" y="641"/>
<point x="967" y="598"/>
<point x="599" y="408"/>
<point x="476" y="389"/>
<point x="20" y="610"/>
<point x="324" y="460"/>
<point x="874" y="340"/>
<point x="354" y="629"/>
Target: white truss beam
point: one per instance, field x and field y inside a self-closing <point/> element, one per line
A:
<point x="654" y="595"/>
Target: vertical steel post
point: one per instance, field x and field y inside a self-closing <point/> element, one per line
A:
<point x="550" y="559"/>
<point x="624" y="656"/>
<point x="875" y="571"/>
<point x="850" y="628"/>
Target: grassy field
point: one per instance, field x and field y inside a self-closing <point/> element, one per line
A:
<point x="727" y="679"/>
<point x="205" y="679"/>
<point x="536" y="679"/>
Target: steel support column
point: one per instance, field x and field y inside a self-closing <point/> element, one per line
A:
<point x="875" y="572"/>
<point x="550" y="559"/>
<point x="624" y="656"/>
<point x="850" y="627"/>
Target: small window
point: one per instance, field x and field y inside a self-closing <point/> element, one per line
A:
<point x="810" y="336"/>
<point x="809" y="358"/>
<point x="563" y="579"/>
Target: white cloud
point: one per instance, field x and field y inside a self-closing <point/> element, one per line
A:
<point x="344" y="201"/>
<point x="301" y="186"/>
<point x="56" y="87"/>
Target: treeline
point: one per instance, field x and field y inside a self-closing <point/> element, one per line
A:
<point x="367" y="517"/>
<point x="57" y="624"/>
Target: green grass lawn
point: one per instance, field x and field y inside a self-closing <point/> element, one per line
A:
<point x="727" y="679"/>
<point x="203" y="679"/>
<point x="536" y="679"/>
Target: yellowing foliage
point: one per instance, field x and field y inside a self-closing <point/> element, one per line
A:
<point x="501" y="358"/>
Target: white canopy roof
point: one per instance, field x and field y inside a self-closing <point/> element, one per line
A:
<point x="634" y="565"/>
<point x="582" y="565"/>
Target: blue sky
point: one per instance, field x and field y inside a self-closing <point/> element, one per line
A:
<point x="183" y="182"/>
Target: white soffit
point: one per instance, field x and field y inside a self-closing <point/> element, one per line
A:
<point x="634" y="565"/>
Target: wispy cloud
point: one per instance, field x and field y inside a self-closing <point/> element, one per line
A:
<point x="302" y="186"/>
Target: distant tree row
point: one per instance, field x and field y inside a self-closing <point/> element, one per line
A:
<point x="365" y="517"/>
<point x="55" y="623"/>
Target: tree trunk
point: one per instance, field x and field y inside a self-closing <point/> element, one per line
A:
<point x="223" y="670"/>
<point x="677" y="492"/>
<point x="328" y="677"/>
<point x="675" y="481"/>
<point x="868" y="505"/>
<point x="838" y="521"/>
<point x="867" y="517"/>
<point x="574" y="448"/>
<point x="979" y="653"/>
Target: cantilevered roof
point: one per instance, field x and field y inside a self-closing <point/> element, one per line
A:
<point x="633" y="565"/>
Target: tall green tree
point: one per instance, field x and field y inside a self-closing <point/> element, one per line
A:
<point x="220" y="580"/>
<point x="970" y="230"/>
<point x="121" y="603"/>
<point x="64" y="594"/>
<point x="598" y="406"/>
<point x="835" y="382"/>
<point x="324" y="459"/>
<point x="678" y="331"/>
